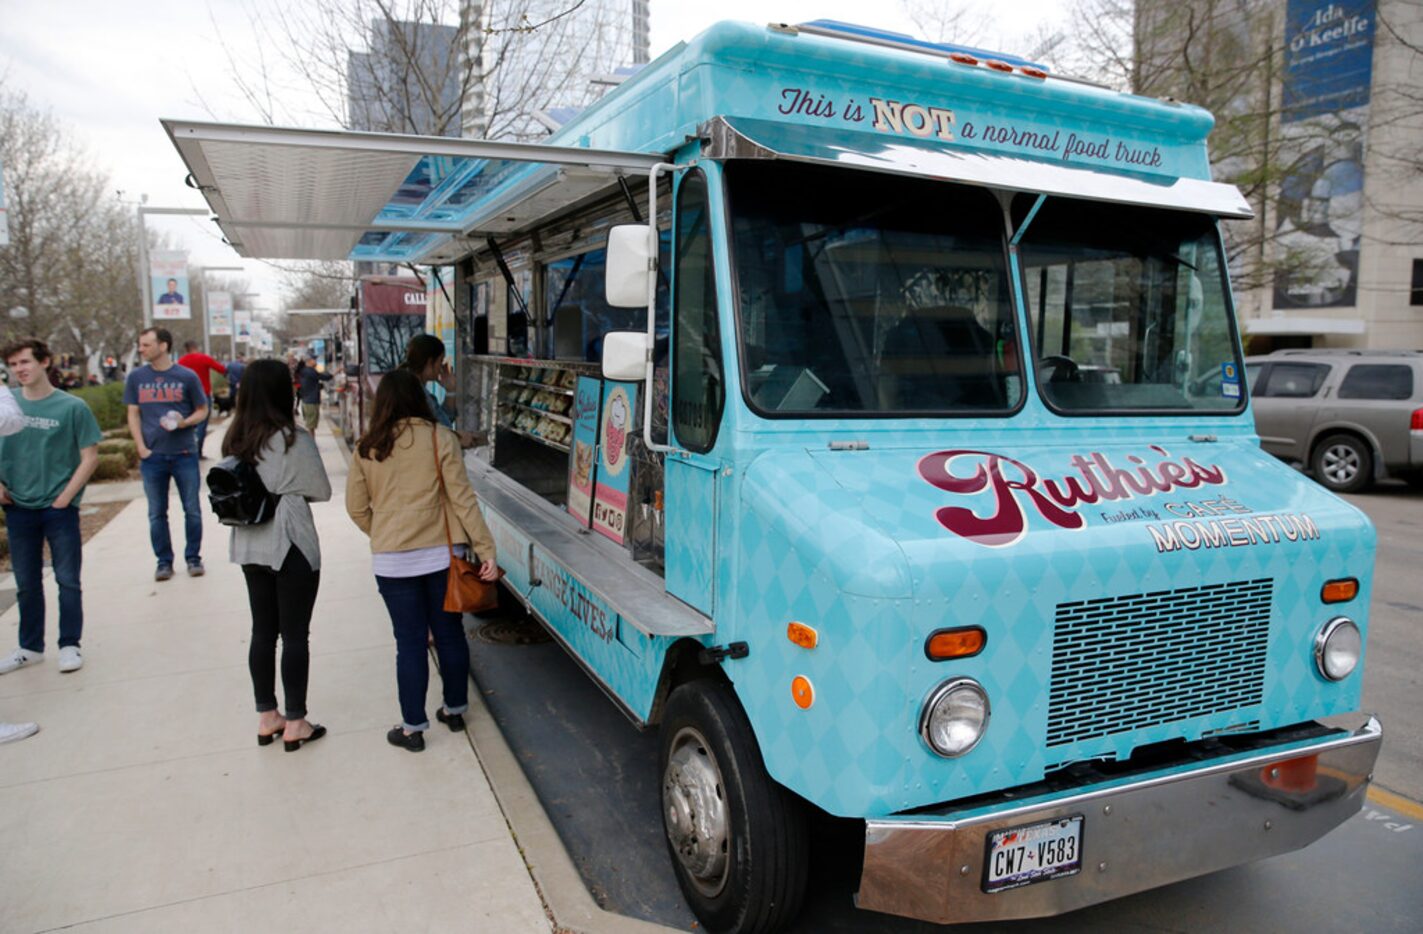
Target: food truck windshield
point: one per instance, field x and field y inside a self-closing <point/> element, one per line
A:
<point x="879" y="295"/>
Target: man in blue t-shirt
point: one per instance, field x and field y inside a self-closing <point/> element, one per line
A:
<point x="165" y="402"/>
<point x="235" y="369"/>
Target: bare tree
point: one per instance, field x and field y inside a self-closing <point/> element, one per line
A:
<point x="947" y="21"/>
<point x="432" y="67"/>
<point x="72" y="259"/>
<point x="313" y="285"/>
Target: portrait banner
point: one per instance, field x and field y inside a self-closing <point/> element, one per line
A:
<point x="168" y="280"/>
<point x="219" y="314"/>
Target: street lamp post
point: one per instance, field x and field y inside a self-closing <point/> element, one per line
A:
<point x="143" y="284"/>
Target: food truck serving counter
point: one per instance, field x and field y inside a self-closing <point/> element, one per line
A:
<point x="866" y="415"/>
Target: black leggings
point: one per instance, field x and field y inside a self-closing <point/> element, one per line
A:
<point x="281" y="604"/>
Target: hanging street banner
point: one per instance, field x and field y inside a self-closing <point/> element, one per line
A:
<point x="4" y="218"/>
<point x="168" y="281"/>
<point x="242" y="324"/>
<point x="1329" y="54"/>
<point x="1319" y="217"/>
<point x="219" y="314"/>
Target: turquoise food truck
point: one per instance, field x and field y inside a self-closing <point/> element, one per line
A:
<point x="866" y="416"/>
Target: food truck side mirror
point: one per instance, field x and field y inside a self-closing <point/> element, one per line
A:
<point x="629" y="268"/>
<point x="625" y="356"/>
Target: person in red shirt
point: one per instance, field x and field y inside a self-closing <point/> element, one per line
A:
<point x="203" y="365"/>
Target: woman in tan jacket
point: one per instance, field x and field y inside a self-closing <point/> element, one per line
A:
<point x="393" y="494"/>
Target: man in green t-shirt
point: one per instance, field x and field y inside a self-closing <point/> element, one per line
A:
<point x="43" y="470"/>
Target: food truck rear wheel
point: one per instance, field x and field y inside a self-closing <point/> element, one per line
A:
<point x="737" y="839"/>
<point x="1343" y="463"/>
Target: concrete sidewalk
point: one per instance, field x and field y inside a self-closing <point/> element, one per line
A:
<point x="145" y="804"/>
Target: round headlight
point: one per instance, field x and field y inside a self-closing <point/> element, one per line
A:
<point x="954" y="717"/>
<point x="1337" y="648"/>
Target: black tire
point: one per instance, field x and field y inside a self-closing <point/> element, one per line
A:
<point x="1343" y="463"/>
<point x="718" y="790"/>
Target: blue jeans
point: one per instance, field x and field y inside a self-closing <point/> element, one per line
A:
<point x="203" y="430"/>
<point x="29" y="528"/>
<point x="183" y="468"/>
<point x="416" y="606"/>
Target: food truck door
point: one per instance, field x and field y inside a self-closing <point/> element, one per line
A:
<point x="692" y="471"/>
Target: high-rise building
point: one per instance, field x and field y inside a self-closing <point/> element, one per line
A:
<point x="409" y="81"/>
<point x="535" y="59"/>
<point x="1319" y="122"/>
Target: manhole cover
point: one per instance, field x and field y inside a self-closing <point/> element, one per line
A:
<point x="511" y="632"/>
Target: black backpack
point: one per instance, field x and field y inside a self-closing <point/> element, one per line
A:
<point x="238" y="495"/>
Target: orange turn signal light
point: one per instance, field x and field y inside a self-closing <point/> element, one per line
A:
<point x="1340" y="591"/>
<point x="963" y="642"/>
<point x="802" y="692"/>
<point x="803" y="635"/>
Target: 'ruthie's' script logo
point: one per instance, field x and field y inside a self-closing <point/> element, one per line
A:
<point x="1011" y="485"/>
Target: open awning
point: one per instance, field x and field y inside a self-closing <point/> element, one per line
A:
<point x="738" y="138"/>
<point x="285" y="193"/>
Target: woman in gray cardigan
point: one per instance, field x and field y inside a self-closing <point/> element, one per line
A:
<point x="281" y="559"/>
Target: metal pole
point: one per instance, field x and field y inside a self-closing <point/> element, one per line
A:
<point x="207" y="315"/>
<point x="143" y="271"/>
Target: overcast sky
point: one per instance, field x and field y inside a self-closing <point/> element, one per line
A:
<point x="109" y="69"/>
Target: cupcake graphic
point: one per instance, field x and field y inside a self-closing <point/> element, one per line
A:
<point x="615" y="428"/>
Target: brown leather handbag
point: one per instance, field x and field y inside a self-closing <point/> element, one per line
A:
<point x="465" y="591"/>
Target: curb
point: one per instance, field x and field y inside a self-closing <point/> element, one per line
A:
<point x="555" y="877"/>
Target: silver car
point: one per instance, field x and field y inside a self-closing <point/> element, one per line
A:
<point x="1350" y="416"/>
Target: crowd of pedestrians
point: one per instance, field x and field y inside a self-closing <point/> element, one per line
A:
<point x="407" y="490"/>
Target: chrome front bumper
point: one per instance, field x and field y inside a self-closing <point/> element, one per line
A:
<point x="1138" y="834"/>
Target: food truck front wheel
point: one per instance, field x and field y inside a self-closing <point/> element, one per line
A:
<point x="737" y="839"/>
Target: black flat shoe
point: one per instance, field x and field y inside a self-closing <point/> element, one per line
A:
<point x="414" y="742"/>
<point x="317" y="731"/>
<point x="455" y="721"/>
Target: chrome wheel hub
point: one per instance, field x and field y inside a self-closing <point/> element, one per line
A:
<point x="1340" y="463"/>
<point x="694" y="804"/>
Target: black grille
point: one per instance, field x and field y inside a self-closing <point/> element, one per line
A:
<point x="1125" y="663"/>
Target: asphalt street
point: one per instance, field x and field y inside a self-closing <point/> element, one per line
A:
<point x="1393" y="661"/>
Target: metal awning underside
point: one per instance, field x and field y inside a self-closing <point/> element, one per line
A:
<point x="330" y="194"/>
<point x="735" y="137"/>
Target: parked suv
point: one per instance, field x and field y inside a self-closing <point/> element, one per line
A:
<point x="1351" y="416"/>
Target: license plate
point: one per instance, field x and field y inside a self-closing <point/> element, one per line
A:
<point x="1020" y="856"/>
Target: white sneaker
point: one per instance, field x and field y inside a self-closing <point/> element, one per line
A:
<point x="9" y="732"/>
<point x="19" y="659"/>
<point x="69" y="658"/>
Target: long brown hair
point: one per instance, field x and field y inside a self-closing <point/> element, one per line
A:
<point x="264" y="408"/>
<point x="399" y="396"/>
